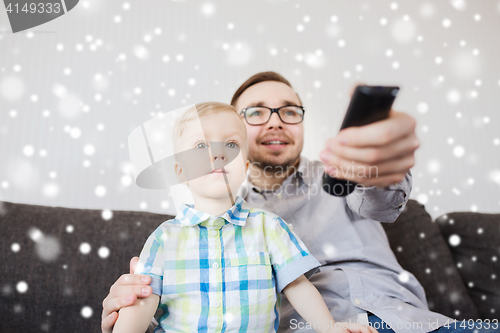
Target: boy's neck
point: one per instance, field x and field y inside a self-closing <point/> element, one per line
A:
<point x="269" y="178"/>
<point x="213" y="206"/>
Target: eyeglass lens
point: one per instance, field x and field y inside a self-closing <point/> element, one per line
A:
<point x="259" y="115"/>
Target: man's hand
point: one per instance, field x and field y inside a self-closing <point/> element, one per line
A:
<point x="124" y="292"/>
<point x="377" y="154"/>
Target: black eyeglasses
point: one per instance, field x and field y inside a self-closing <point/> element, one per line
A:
<point x="259" y="115"/>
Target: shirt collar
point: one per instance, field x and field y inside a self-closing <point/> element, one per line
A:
<point x="304" y="171"/>
<point x="237" y="214"/>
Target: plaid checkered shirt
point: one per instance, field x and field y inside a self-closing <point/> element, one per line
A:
<point x="223" y="273"/>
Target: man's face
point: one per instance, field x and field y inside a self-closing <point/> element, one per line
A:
<point x="216" y="135"/>
<point x="272" y="94"/>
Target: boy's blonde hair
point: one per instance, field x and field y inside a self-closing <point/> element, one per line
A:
<point x="200" y="110"/>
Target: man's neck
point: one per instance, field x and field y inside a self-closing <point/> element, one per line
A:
<point x="268" y="178"/>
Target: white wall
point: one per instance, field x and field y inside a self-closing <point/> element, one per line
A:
<point x="56" y="100"/>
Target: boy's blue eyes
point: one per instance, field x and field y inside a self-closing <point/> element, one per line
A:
<point x="202" y="145"/>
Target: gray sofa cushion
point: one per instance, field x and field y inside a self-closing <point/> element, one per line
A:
<point x="40" y="248"/>
<point x="476" y="240"/>
<point x="65" y="287"/>
<point x="420" y="249"/>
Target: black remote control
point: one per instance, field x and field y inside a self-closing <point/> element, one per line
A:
<point x="368" y="104"/>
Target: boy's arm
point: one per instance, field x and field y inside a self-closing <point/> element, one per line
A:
<point x="136" y="318"/>
<point x="307" y="301"/>
<point x="123" y="293"/>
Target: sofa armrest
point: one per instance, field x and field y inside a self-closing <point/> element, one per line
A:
<point x="474" y="240"/>
<point x="421" y="249"/>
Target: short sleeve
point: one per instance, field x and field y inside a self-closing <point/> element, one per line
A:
<point x="151" y="261"/>
<point x="289" y="256"/>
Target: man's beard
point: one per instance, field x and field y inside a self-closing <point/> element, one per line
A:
<point x="271" y="165"/>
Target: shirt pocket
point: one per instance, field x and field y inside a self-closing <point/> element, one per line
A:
<point x="254" y="276"/>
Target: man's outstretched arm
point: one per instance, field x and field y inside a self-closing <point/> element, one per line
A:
<point x="381" y="204"/>
<point x="379" y="157"/>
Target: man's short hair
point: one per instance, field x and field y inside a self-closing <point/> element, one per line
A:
<point x="257" y="78"/>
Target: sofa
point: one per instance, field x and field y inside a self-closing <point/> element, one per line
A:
<point x="59" y="263"/>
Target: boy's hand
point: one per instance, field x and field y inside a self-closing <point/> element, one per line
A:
<point x="124" y="292"/>
<point x="345" y="327"/>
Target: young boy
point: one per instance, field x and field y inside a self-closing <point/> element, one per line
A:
<point x="221" y="265"/>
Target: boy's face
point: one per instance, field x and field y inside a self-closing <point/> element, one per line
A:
<point x="224" y="130"/>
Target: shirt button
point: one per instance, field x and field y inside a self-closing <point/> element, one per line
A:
<point x="279" y="195"/>
<point x="215" y="265"/>
<point x="253" y="257"/>
<point x="216" y="304"/>
<point x="214" y="232"/>
<point x="357" y="301"/>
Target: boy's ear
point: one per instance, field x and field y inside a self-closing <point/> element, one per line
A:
<point x="179" y="173"/>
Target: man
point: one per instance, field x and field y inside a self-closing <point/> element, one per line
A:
<point x="360" y="279"/>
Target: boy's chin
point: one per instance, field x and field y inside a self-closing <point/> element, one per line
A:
<point x="215" y="189"/>
<point x="219" y="194"/>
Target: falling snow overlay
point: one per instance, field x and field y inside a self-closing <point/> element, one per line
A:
<point x="65" y="117"/>
<point x="73" y="89"/>
<point x="99" y="84"/>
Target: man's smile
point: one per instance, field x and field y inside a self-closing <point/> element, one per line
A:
<point x="275" y="142"/>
